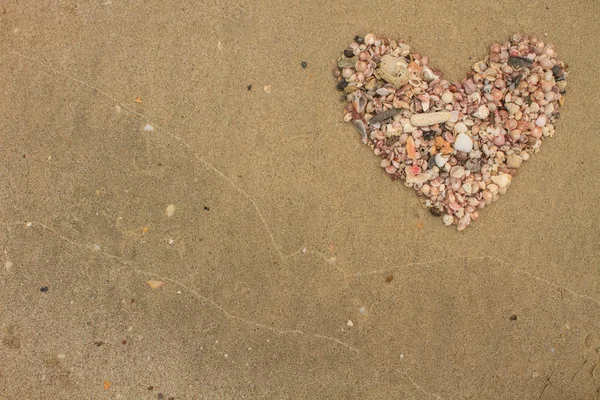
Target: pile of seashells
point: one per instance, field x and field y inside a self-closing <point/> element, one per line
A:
<point x="457" y="144"/>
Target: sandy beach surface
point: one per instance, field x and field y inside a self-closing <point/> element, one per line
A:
<point x="184" y="143"/>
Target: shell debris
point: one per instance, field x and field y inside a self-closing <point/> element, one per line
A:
<point x="457" y="144"/>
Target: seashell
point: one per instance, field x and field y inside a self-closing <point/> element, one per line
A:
<point x="463" y="143"/>
<point x="460" y="128"/>
<point x="347" y="62"/>
<point x="490" y="74"/>
<point x="415" y="82"/>
<point x="362" y="129"/>
<point x="441" y="160"/>
<point x="359" y="103"/>
<point x="419" y="178"/>
<point x="428" y="75"/>
<point x="393" y="70"/>
<point x="410" y="148"/>
<point x="447" y="97"/>
<point x="457" y="172"/>
<point x="512" y="108"/>
<point x="407" y="126"/>
<point x="482" y="112"/>
<point x="502" y="180"/>
<point x="426" y="119"/>
<point x="514" y="161"/>
<point x="369" y="39"/>
<point x="390" y="169"/>
<point x="541" y="121"/>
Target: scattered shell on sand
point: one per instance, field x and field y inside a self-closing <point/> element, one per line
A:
<point x="458" y="144"/>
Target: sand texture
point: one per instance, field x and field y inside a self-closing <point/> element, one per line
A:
<point x="283" y="226"/>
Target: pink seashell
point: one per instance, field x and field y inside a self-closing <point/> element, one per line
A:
<point x="454" y="206"/>
<point x="541" y="121"/>
<point x="414" y="170"/>
<point x="499" y="140"/>
<point x="390" y="169"/>
<point x="511" y="124"/>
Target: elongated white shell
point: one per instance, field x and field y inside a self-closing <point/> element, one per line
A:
<point x="433" y="118"/>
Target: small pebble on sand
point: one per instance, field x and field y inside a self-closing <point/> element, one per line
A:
<point x="170" y="210"/>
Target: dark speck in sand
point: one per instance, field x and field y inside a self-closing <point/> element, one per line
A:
<point x="44" y="289"/>
<point x="513" y="317"/>
<point x="303" y="64"/>
<point x="249" y="87"/>
<point x="206" y="208"/>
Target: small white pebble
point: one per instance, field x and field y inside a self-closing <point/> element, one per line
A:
<point x="8" y="265"/>
<point x="148" y="128"/>
<point x="249" y="348"/>
<point x="171" y="241"/>
<point x="49" y="158"/>
<point x="304" y="250"/>
<point x="226" y="355"/>
<point x="362" y="310"/>
<point x="268" y="89"/>
<point x="129" y="329"/>
<point x="96" y="247"/>
<point x="170" y="210"/>
<point x="401" y="355"/>
<point x="179" y="292"/>
<point x="71" y="301"/>
<point x="219" y="46"/>
<point x="61" y="355"/>
<point x="118" y="109"/>
<point x="350" y="323"/>
<point x="28" y="224"/>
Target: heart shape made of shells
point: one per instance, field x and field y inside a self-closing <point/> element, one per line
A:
<point x="458" y="144"/>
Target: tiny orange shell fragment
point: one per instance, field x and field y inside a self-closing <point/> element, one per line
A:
<point x="155" y="284"/>
<point x="420" y="224"/>
<point x="107" y="385"/>
<point x="410" y="148"/>
<point x="138" y="100"/>
<point x="389" y="278"/>
<point x="145" y="229"/>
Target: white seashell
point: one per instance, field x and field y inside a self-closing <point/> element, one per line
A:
<point x="502" y="180"/>
<point x="447" y="97"/>
<point x="460" y="128"/>
<point x="427" y="119"/>
<point x="463" y="143"/>
<point x="448" y="219"/>
<point x="407" y="126"/>
<point x="428" y="75"/>
<point x="482" y="112"/>
<point x="441" y="160"/>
